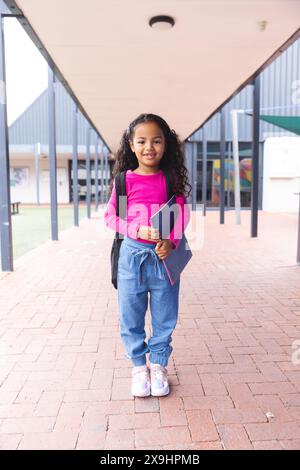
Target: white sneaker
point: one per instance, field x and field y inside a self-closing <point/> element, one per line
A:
<point x="159" y="380"/>
<point x="140" y="381"/>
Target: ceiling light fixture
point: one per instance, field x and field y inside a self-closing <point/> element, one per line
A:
<point x="161" y="22"/>
<point x="262" y="25"/>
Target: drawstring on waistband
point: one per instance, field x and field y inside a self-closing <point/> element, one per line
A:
<point x="141" y="255"/>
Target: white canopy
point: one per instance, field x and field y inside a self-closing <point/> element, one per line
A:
<point x="118" y="66"/>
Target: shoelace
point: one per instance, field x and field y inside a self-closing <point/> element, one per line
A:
<point x="159" y="375"/>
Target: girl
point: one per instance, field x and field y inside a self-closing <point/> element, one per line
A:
<point x="146" y="147"/>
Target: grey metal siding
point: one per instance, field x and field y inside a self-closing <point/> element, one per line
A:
<point x="276" y="98"/>
<point x="32" y="125"/>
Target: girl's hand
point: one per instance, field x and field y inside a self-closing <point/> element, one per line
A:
<point x="163" y="248"/>
<point x="148" y="233"/>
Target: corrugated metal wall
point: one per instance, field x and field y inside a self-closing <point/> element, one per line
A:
<point x="32" y="125"/>
<point x="277" y="92"/>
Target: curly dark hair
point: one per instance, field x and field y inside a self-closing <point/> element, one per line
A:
<point x="172" y="159"/>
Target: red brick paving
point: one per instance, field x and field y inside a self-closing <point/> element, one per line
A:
<point x="64" y="381"/>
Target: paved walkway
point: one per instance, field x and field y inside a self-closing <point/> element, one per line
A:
<point x="64" y="382"/>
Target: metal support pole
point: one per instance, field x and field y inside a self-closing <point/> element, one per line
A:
<point x="88" y="172"/>
<point x="194" y="177"/>
<point x="222" y="166"/>
<point x="255" y="156"/>
<point x="102" y="175"/>
<point x="75" y="166"/>
<point x="37" y="156"/>
<point x="52" y="155"/>
<point x="204" y="169"/>
<point x="228" y="173"/>
<point x="235" y="149"/>
<point x="261" y="174"/>
<point x="96" y="159"/>
<point x="106" y="175"/>
<point x="5" y="215"/>
<point x="298" y="245"/>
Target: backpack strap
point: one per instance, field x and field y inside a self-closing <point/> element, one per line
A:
<point x="118" y="191"/>
<point x="169" y="182"/>
<point x="123" y="205"/>
<point x="120" y="185"/>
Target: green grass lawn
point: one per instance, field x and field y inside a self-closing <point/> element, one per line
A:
<point x="32" y="226"/>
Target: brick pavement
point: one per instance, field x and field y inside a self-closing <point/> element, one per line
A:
<point x="64" y="381"/>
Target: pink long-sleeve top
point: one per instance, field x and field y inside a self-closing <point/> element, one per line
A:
<point x="145" y="195"/>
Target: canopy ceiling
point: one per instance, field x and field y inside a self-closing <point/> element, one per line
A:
<point x="119" y="67"/>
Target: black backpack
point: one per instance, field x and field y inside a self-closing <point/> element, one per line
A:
<point x="120" y="185"/>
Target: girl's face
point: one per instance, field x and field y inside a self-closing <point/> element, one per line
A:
<point x="148" y="144"/>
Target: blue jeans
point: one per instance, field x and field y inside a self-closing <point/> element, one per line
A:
<point x="140" y="271"/>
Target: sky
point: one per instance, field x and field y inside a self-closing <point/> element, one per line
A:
<point x="26" y="69"/>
